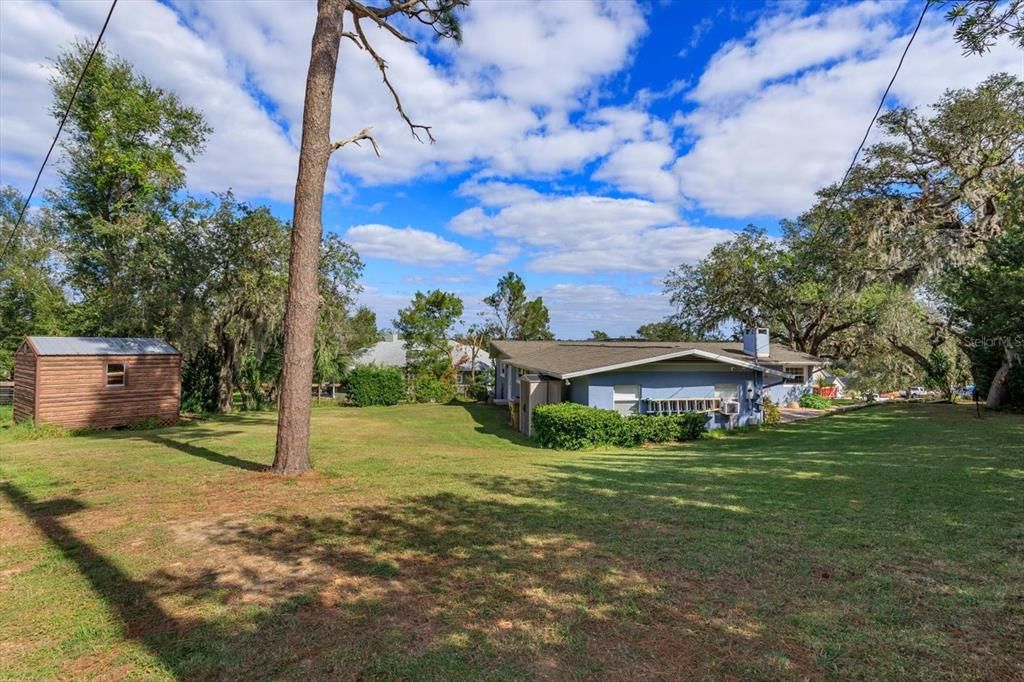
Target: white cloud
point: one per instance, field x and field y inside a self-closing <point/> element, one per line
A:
<point x="781" y="45"/>
<point x="590" y="234"/>
<point x="482" y="107"/>
<point x="696" y="35"/>
<point x="247" y="151"/>
<point x="578" y="309"/>
<point x="405" y="245"/>
<point x="781" y="112"/>
<point x="549" y="53"/>
<point x="494" y="107"/>
<point x="641" y="168"/>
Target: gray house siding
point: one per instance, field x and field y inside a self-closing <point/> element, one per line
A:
<point x="780" y="392"/>
<point x="579" y="390"/>
<point x="669" y="381"/>
<point x="506" y="381"/>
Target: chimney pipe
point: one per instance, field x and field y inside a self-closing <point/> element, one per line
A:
<point x="756" y="342"/>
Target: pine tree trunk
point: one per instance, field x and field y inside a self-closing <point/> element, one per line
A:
<point x="303" y="301"/>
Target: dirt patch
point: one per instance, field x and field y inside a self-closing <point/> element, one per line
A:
<point x="218" y="562"/>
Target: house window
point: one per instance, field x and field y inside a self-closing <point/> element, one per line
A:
<point x="115" y="374"/>
<point x="799" y="373"/>
<point x="726" y="391"/>
<point x="627" y="398"/>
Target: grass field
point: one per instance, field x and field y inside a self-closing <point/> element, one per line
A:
<point x="434" y="543"/>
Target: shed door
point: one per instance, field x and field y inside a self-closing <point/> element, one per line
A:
<point x="627" y="398"/>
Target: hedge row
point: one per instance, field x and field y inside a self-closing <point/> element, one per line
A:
<point x="428" y="389"/>
<point x="814" y="402"/>
<point x="373" y="385"/>
<point x="570" y="426"/>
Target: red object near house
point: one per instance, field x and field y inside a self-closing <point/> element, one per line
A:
<point x="825" y="391"/>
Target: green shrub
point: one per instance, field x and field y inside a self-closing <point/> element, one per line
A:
<point x="642" y="428"/>
<point x="814" y="402"/>
<point x="428" y="389"/>
<point x="772" y="413"/>
<point x="478" y="389"/>
<point x="692" y="425"/>
<point x="373" y="385"/>
<point x="570" y="426"/>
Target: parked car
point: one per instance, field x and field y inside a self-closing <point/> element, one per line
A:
<point x="916" y="392"/>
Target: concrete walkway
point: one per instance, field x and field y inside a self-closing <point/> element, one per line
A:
<point x="795" y="414"/>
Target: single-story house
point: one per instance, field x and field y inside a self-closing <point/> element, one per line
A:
<point x="99" y="382"/>
<point x="725" y="380"/>
<point x="391" y="353"/>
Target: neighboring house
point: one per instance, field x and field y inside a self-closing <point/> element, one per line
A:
<point x="835" y="385"/>
<point x="724" y="380"/>
<point x="803" y="370"/>
<point x="99" y="382"/>
<point x="391" y="353"/>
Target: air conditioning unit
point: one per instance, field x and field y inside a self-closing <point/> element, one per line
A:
<point x="730" y="407"/>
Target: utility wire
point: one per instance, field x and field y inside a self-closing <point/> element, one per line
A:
<point x="878" y="110"/>
<point x="64" y="118"/>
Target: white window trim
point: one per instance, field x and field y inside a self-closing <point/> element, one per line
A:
<point x="124" y="375"/>
<point x="798" y="370"/>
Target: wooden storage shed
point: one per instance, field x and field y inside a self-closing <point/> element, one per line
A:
<point x="99" y="382"/>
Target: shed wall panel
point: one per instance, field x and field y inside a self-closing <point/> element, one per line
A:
<point x="73" y="391"/>
<point x="24" y="386"/>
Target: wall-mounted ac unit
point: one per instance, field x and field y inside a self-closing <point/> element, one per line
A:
<point x="730" y="407"/>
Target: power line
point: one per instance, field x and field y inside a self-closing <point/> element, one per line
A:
<point x="878" y="110"/>
<point x="64" y="118"/>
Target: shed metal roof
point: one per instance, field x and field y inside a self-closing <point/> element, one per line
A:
<point x="99" y="345"/>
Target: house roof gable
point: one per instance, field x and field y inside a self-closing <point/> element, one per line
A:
<point x="568" y="359"/>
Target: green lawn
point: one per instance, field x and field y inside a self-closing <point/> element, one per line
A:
<point x="434" y="543"/>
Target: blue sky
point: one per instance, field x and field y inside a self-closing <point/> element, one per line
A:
<point x="589" y="146"/>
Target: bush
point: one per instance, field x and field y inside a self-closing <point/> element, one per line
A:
<point x="570" y="426"/>
<point x="815" y="402"/>
<point x="372" y="385"/>
<point x="478" y="389"/>
<point x="428" y="389"/>
<point x="772" y="414"/>
<point x="692" y="425"/>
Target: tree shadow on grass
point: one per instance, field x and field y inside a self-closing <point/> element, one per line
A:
<point x="493" y="420"/>
<point x="440" y="586"/>
<point x="192" y="450"/>
<point x="720" y="558"/>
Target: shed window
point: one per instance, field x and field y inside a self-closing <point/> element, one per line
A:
<point x="798" y="372"/>
<point x="115" y="374"/>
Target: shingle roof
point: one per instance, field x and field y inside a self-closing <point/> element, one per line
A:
<point x="564" y="359"/>
<point x="392" y="354"/>
<point x="99" y="345"/>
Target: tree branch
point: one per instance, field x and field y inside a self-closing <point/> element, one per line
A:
<point x="363" y="134"/>
<point x="382" y="67"/>
<point x="360" y="10"/>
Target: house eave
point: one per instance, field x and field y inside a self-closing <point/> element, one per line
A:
<point x="658" y="358"/>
